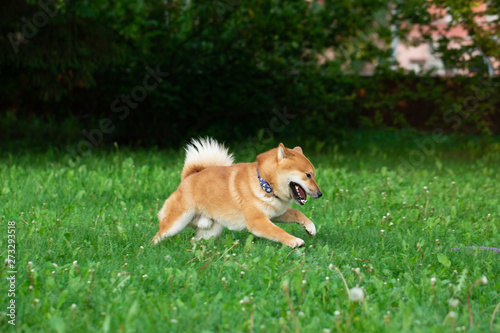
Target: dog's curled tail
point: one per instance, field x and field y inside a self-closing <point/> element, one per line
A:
<point x="202" y="153"/>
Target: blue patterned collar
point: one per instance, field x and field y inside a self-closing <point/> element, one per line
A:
<point x="265" y="186"/>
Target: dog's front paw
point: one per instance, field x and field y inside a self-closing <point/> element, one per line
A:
<point x="310" y="228"/>
<point x="296" y="242"/>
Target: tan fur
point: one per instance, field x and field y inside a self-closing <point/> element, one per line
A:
<point x="214" y="197"/>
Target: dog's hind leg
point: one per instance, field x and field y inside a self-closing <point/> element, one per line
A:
<point x="214" y="231"/>
<point x="174" y="216"/>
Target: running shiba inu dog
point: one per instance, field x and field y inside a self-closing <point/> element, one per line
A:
<point x="215" y="193"/>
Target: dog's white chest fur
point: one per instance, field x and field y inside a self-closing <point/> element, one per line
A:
<point x="274" y="208"/>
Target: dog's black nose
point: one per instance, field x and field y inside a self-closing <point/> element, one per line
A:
<point x="319" y="194"/>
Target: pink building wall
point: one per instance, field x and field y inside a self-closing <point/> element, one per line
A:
<point x="421" y="58"/>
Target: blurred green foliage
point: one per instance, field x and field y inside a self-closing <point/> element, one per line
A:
<point x="230" y="64"/>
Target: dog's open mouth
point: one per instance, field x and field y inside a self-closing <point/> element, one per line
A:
<point x="298" y="193"/>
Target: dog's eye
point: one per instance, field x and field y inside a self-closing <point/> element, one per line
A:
<point x="308" y="175"/>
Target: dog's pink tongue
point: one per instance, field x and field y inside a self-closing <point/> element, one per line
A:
<point x="302" y="193"/>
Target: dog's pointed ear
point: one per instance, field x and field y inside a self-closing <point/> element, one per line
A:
<point x="282" y="153"/>
<point x="298" y="149"/>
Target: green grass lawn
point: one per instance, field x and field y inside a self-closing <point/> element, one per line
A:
<point x="84" y="263"/>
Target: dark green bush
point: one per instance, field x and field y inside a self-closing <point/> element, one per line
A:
<point x="229" y="64"/>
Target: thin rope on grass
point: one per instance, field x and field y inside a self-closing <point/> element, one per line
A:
<point x="482" y="248"/>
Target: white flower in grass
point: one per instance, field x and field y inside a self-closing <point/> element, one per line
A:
<point x="433" y="281"/>
<point x="73" y="306"/>
<point x="356" y="294"/>
<point x="484" y="280"/>
<point x="453" y="303"/>
<point x="337" y="313"/>
<point x="145" y="276"/>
